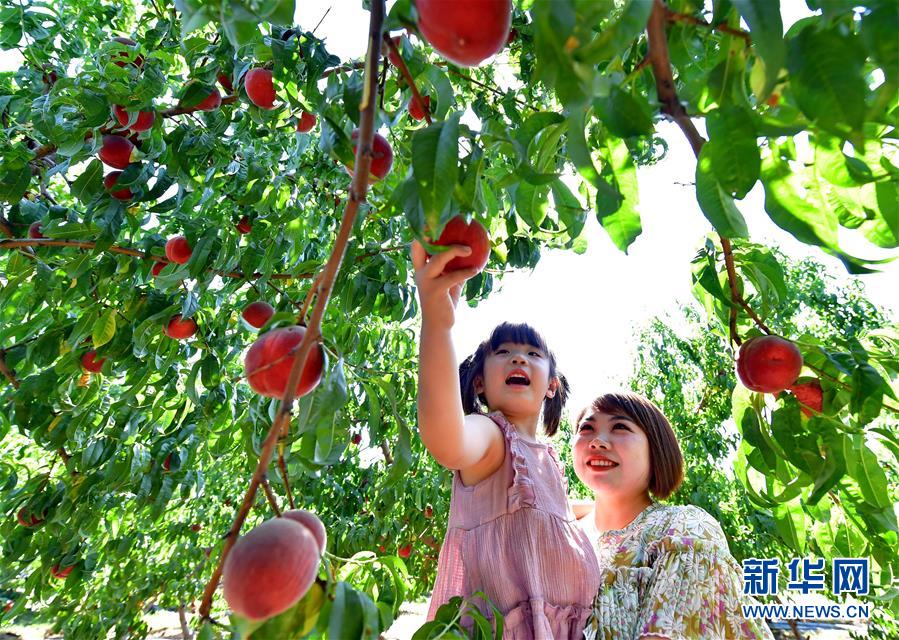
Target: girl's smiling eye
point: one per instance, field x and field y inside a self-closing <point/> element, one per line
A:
<point x="585" y="426"/>
<point x="535" y="353"/>
<point x="622" y="425"/>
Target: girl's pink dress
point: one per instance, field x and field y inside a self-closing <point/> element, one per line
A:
<point x="514" y="537"/>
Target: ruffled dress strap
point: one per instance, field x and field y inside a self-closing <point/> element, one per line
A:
<point x="522" y="492"/>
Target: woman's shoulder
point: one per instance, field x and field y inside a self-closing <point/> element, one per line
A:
<point x="684" y="521"/>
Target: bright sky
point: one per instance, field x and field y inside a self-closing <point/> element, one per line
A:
<point x="591" y="306"/>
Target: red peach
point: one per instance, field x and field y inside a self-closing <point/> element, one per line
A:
<point x="270" y="569"/>
<point x="381" y="156"/>
<point x="244" y="226"/>
<point x="34" y="230"/>
<point x="258" y="313"/>
<point x="260" y="88"/>
<point x="466" y="32"/>
<point x="178" y="250"/>
<point x="109" y="182"/>
<point x="472" y="234"/>
<point x="306" y="122"/>
<point x="90" y="363"/>
<point x="117" y="152"/>
<point x="144" y="120"/>
<point x="768" y="364"/>
<point x="180" y="329"/>
<point x="417" y="110"/>
<point x="269" y="360"/>
<point x="312" y="523"/>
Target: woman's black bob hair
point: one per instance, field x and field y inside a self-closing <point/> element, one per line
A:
<point x="473" y="366"/>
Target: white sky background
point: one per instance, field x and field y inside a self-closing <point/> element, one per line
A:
<point x="590" y="306"/>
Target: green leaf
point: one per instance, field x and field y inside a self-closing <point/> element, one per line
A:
<point x="868" y="389"/>
<point x="878" y="31"/>
<point x="790" y="523"/>
<point x="569" y="209"/>
<point x="619" y="217"/>
<point x="624" y="114"/>
<point x="716" y="204"/>
<point x="616" y="37"/>
<point x="89" y="183"/>
<point x="827" y="79"/>
<point x="867" y="470"/>
<point x="104" y="328"/>
<point x="296" y="622"/>
<point x="532" y="203"/>
<point x="766" y="29"/>
<point x="733" y="150"/>
<point x="435" y="165"/>
<point x="792" y="212"/>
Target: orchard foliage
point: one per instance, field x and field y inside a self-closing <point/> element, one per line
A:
<point x="113" y="470"/>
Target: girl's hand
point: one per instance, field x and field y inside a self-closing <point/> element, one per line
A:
<point x="439" y="292"/>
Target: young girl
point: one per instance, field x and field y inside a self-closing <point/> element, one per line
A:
<point x="666" y="570"/>
<point x="511" y="533"/>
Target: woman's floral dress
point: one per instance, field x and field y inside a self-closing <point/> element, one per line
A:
<point x="668" y="573"/>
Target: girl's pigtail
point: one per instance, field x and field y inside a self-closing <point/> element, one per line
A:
<point x="552" y="408"/>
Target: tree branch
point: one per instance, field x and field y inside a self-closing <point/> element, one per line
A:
<point x="357" y="195"/>
<point x="661" y="68"/>
<point x="270" y="496"/>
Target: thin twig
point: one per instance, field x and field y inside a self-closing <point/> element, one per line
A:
<point x="283" y="467"/>
<point x="270" y="496"/>
<point x="404" y="70"/>
<point x="327" y="11"/>
<point x="357" y="195"/>
<point x="734" y="293"/>
<point x="386" y="451"/>
<point x="674" y="16"/>
<point x="182" y="618"/>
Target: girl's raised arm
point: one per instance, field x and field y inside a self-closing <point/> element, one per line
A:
<point x="453" y="440"/>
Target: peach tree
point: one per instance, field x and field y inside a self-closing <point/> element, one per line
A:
<point x="185" y="185"/>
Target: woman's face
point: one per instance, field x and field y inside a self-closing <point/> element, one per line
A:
<point x="611" y="455"/>
<point x="516" y="379"/>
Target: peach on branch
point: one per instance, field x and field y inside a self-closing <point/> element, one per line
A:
<point x="466" y="32"/>
<point x="381" y="156"/>
<point x="34" y="230"/>
<point x="117" y="152"/>
<point x="417" y="110"/>
<point x="109" y="182"/>
<point x="305" y="122"/>
<point x="210" y="103"/>
<point x="270" y="569"/>
<point x="243" y="226"/>
<point x="158" y="267"/>
<point x="312" y="523"/>
<point x="768" y="364"/>
<point x="28" y="519"/>
<point x="471" y="234"/>
<point x="178" y="250"/>
<point x="260" y="88"/>
<point x="809" y="394"/>
<point x="90" y="363"/>
<point x="225" y="80"/>
<point x="120" y="58"/>
<point x="61" y="573"/>
<point x="180" y="329"/>
<point x="394" y="57"/>
<point x="269" y="360"/>
<point x="143" y="122"/>
<point x="404" y="551"/>
<point x="257" y="313"/>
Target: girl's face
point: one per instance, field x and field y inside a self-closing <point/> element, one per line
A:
<point x="611" y="455"/>
<point x="516" y="379"/>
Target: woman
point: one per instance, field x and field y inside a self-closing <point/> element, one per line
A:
<point x="665" y="570"/>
